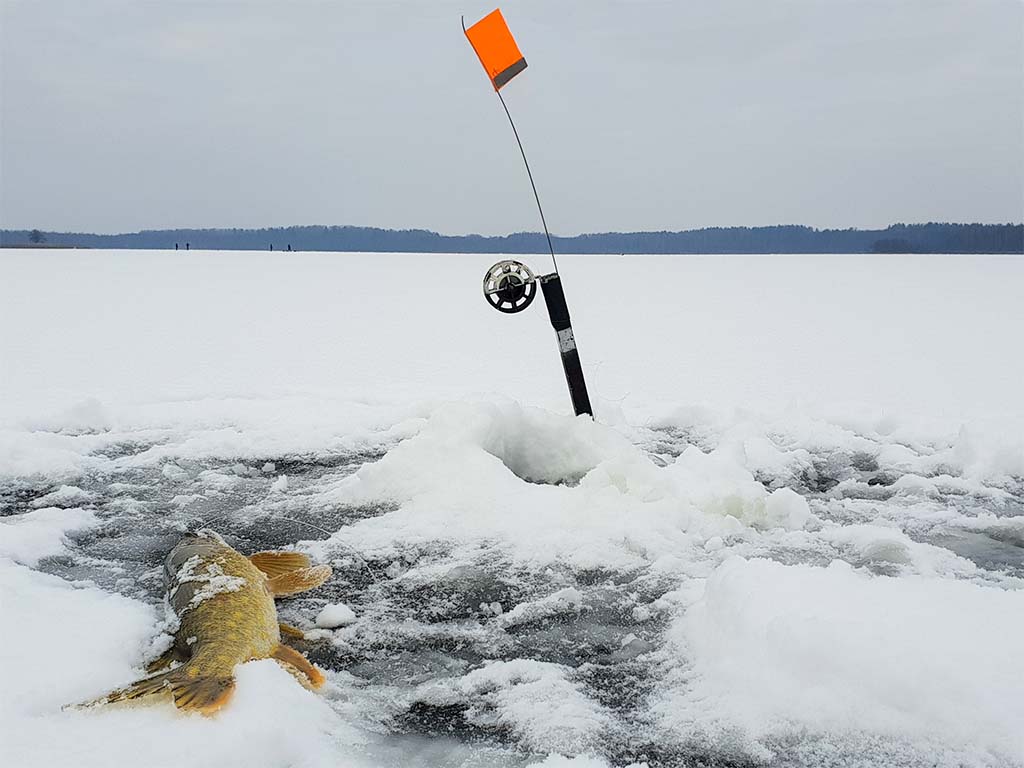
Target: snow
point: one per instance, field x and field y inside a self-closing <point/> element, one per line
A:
<point x="29" y="537"/>
<point x="334" y="615"/>
<point x="794" y="535"/>
<point x="829" y="648"/>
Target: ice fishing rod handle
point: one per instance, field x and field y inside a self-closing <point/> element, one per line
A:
<point x="558" y="311"/>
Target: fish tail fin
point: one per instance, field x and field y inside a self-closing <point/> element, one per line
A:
<point x="191" y="693"/>
<point x="203" y="694"/>
<point x="147" y="686"/>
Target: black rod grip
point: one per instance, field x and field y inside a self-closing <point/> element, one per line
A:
<point x="558" y="311"/>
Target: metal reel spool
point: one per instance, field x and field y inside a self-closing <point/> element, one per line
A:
<point x="510" y="286"/>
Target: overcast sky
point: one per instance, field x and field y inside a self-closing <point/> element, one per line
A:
<point x="125" y="115"/>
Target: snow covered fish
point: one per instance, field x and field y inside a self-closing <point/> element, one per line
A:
<point x="225" y="603"/>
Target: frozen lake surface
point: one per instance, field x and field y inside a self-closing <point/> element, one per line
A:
<point x="794" y="536"/>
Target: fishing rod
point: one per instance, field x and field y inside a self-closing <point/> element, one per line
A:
<point x="509" y="285"/>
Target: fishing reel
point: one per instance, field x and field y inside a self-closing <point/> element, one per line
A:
<point x="510" y="286"/>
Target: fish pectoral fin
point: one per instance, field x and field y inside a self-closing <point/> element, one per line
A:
<point x="203" y="694"/>
<point x="302" y="580"/>
<point x="293" y="662"/>
<point x="275" y="563"/>
<point x="165" y="659"/>
<point x="290" y="631"/>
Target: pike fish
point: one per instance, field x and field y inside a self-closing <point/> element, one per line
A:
<point x="225" y="604"/>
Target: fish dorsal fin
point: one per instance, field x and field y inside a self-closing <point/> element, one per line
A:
<point x="302" y="580"/>
<point x="275" y="563"/>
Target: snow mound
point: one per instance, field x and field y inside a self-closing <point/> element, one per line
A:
<point x="772" y="648"/>
<point x="552" y="488"/>
<point x="29" y="537"/>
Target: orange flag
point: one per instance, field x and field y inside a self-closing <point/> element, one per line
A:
<point x="496" y="48"/>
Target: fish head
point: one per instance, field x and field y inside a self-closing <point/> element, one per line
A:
<point x="205" y="544"/>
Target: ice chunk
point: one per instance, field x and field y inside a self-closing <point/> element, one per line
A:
<point x="334" y="615"/>
<point x="533" y="699"/>
<point x="174" y="473"/>
<point x="566" y="600"/>
<point x="786" y="508"/>
<point x="65" y="496"/>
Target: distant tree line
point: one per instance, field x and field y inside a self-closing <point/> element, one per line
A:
<point x="898" y="238"/>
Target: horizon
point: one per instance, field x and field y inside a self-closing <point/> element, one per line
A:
<point x="930" y="237"/>
<point x="558" y="235"/>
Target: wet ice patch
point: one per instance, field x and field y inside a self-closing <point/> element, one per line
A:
<point x="1008" y="529"/>
<point x="881" y="546"/>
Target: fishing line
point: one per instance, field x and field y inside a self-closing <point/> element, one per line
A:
<point x="530" y="174"/>
<point x="350" y="548"/>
